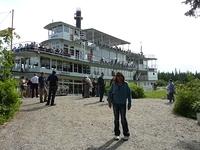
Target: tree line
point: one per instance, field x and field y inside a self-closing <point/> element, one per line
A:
<point x="177" y="77"/>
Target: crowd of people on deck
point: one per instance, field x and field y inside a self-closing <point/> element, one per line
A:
<point x="114" y="62"/>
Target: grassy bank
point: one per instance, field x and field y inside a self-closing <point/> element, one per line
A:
<point x="160" y="93"/>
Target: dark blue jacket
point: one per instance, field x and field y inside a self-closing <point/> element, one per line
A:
<point x="120" y="93"/>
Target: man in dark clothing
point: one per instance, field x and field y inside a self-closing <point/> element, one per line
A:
<point x="170" y="91"/>
<point x="101" y="86"/>
<point x="93" y="87"/>
<point x="53" y="86"/>
<point x="43" y="88"/>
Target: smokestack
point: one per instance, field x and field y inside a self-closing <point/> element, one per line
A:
<point x="78" y="18"/>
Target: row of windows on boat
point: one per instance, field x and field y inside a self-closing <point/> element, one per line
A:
<point x="79" y="56"/>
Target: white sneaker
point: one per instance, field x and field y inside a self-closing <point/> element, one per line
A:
<point x="125" y="138"/>
<point x="116" y="138"/>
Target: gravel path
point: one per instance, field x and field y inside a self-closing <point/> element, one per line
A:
<point x="85" y="124"/>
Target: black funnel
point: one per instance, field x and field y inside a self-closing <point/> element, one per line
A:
<point x="78" y="18"/>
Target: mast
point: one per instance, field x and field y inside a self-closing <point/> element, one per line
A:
<point x="11" y="41"/>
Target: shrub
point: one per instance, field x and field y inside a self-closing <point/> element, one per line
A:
<point x="107" y="88"/>
<point x="186" y="96"/>
<point x="196" y="106"/>
<point x="136" y="91"/>
<point x="9" y="99"/>
<point x="161" y="83"/>
<point x="9" y="96"/>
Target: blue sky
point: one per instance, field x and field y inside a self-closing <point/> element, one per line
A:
<point x="159" y="24"/>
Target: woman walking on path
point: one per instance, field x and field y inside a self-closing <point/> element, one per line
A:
<point x="118" y="95"/>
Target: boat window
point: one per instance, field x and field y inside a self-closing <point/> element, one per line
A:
<point x="66" y="29"/>
<point x="66" y="50"/>
<point x="79" y="68"/>
<point x="59" y="65"/>
<point x="57" y="29"/>
<point x="77" y="54"/>
<point x="66" y="66"/>
<point x="72" y="50"/>
<point x="87" y="70"/>
<point x="45" y="62"/>
<point x="54" y="64"/>
<point x="75" y="67"/>
<point x="84" y="69"/>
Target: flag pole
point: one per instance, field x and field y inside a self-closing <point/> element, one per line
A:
<point x="11" y="41"/>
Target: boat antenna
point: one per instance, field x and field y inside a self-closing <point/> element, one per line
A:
<point x="11" y="41"/>
<point x="141" y="48"/>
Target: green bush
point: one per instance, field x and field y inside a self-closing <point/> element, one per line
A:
<point x="196" y="106"/>
<point x="136" y="91"/>
<point x="9" y="96"/>
<point x="107" y="88"/>
<point x="161" y="83"/>
<point x="186" y="96"/>
<point x="9" y="99"/>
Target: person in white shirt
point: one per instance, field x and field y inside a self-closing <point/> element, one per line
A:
<point x="34" y="81"/>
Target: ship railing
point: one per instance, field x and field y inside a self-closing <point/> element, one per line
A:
<point x="26" y="69"/>
<point x="116" y="64"/>
<point x="38" y="48"/>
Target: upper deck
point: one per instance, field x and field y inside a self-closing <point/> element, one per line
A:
<point x="101" y="38"/>
<point x="61" y="30"/>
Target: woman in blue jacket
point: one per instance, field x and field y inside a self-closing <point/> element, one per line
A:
<point x="118" y="95"/>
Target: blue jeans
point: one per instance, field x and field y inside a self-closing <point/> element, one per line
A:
<point x="120" y="109"/>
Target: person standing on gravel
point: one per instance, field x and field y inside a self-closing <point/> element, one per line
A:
<point x="118" y="95"/>
<point x="43" y="88"/>
<point x="101" y="87"/>
<point x="34" y="81"/>
<point x="53" y="86"/>
<point x="170" y="91"/>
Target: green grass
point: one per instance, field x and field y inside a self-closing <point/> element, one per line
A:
<point x="160" y="93"/>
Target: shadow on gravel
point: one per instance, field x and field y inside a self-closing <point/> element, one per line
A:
<point x="107" y="145"/>
<point x="168" y="103"/>
<point x="93" y="103"/>
<point x="33" y="108"/>
<point x="189" y="145"/>
<point x="104" y="104"/>
<point x="30" y="104"/>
